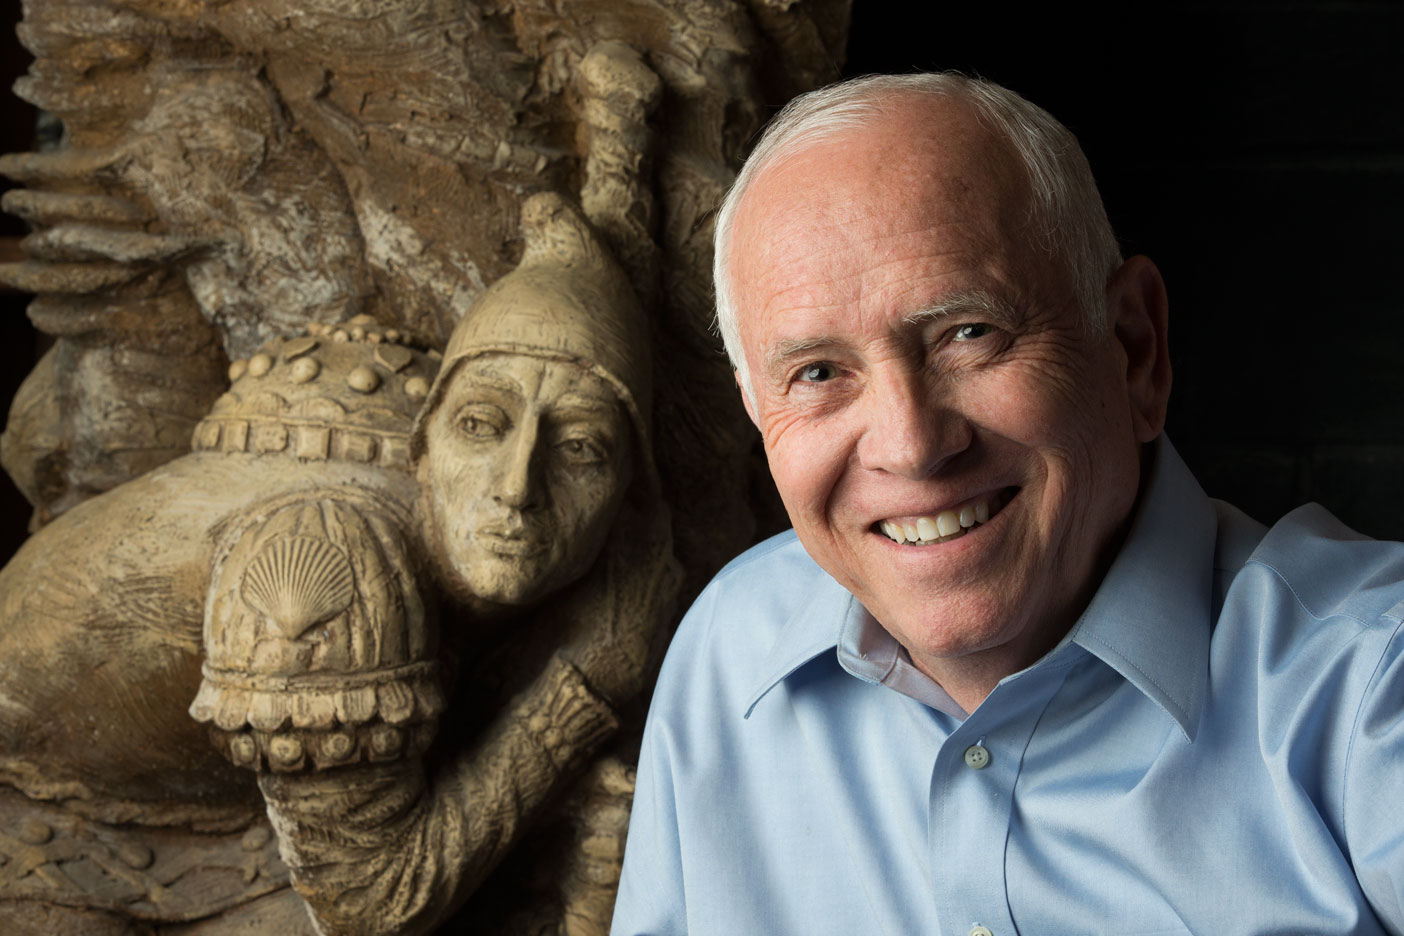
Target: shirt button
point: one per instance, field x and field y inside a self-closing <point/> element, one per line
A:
<point x="978" y="930"/>
<point x="977" y="756"/>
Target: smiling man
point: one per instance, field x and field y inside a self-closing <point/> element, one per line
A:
<point x="1012" y="671"/>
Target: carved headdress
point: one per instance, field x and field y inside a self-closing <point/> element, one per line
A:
<point x="567" y="300"/>
<point x="339" y="393"/>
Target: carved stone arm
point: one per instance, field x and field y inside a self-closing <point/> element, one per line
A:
<point x="386" y="849"/>
<point x="379" y="849"/>
<point x="333" y="701"/>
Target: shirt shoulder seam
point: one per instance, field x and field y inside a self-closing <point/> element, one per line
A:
<point x="1301" y="601"/>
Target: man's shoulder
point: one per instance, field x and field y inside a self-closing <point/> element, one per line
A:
<point x="766" y="582"/>
<point x="1331" y="570"/>
<point x="738" y="628"/>
<point x="779" y="553"/>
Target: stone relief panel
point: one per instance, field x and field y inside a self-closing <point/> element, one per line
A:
<point x="381" y="438"/>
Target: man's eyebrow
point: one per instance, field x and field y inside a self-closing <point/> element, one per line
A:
<point x="783" y="351"/>
<point x="972" y="302"/>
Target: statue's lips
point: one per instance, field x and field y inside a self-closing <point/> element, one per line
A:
<point x="511" y="545"/>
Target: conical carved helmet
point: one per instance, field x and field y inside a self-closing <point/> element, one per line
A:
<point x="567" y="300"/>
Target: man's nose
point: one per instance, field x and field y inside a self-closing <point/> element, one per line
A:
<point x="910" y="430"/>
<point x="517" y="483"/>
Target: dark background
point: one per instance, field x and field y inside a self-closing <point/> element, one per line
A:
<point x="1254" y="150"/>
<point x="18" y="340"/>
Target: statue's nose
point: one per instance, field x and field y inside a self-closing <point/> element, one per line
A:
<point x="518" y="484"/>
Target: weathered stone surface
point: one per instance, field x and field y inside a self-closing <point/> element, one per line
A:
<point x="381" y="435"/>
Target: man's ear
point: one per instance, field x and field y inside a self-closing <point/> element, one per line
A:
<point x="1140" y="323"/>
<point x="746" y="400"/>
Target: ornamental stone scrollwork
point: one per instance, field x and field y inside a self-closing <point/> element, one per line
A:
<point x="380" y="440"/>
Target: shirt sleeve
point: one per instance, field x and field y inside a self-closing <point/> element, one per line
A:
<point x="1374" y="789"/>
<point x="652" y="891"/>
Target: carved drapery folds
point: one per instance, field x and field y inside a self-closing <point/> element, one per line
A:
<point x="381" y="434"/>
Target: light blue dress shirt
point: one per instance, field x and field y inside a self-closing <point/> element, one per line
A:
<point x="1217" y="746"/>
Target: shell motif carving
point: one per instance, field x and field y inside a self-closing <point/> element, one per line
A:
<point x="298" y="582"/>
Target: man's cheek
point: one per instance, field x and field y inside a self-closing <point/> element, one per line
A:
<point x="1024" y="411"/>
<point x="775" y="436"/>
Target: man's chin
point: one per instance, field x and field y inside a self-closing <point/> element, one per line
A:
<point x="949" y="626"/>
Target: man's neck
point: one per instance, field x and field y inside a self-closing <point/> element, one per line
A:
<point x="970" y="678"/>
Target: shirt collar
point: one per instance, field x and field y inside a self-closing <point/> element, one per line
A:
<point x="811" y="630"/>
<point x="1149" y="620"/>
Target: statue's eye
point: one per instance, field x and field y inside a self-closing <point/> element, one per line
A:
<point x="580" y="450"/>
<point x="817" y="373"/>
<point x="482" y="422"/>
<point x="474" y="426"/>
<point x="972" y="331"/>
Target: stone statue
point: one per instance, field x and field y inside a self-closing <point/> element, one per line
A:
<point x="419" y="288"/>
<point x="126" y="811"/>
<point x="298" y="553"/>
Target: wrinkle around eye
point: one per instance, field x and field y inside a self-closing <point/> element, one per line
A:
<point x="987" y="347"/>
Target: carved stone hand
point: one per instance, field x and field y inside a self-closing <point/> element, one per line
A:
<point x="615" y="616"/>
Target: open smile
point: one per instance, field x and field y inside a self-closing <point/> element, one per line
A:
<point x="945" y="525"/>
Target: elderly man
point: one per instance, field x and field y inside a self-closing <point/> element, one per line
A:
<point x="1012" y="672"/>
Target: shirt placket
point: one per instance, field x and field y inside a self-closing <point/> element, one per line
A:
<point x="972" y="792"/>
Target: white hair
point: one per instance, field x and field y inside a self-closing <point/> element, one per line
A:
<point x="1066" y="212"/>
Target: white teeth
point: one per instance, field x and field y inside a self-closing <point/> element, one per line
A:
<point x="947" y="524"/>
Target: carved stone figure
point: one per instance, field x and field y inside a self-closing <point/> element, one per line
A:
<point x="533" y="453"/>
<point x="297" y="542"/>
<point x="426" y="283"/>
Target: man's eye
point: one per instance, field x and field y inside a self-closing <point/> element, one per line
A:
<point x="817" y="373"/>
<point x="972" y="331"/>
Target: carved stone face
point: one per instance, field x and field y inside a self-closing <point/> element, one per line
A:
<point x="526" y="462"/>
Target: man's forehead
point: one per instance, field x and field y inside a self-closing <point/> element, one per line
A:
<point x="826" y="200"/>
<point x="898" y="173"/>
